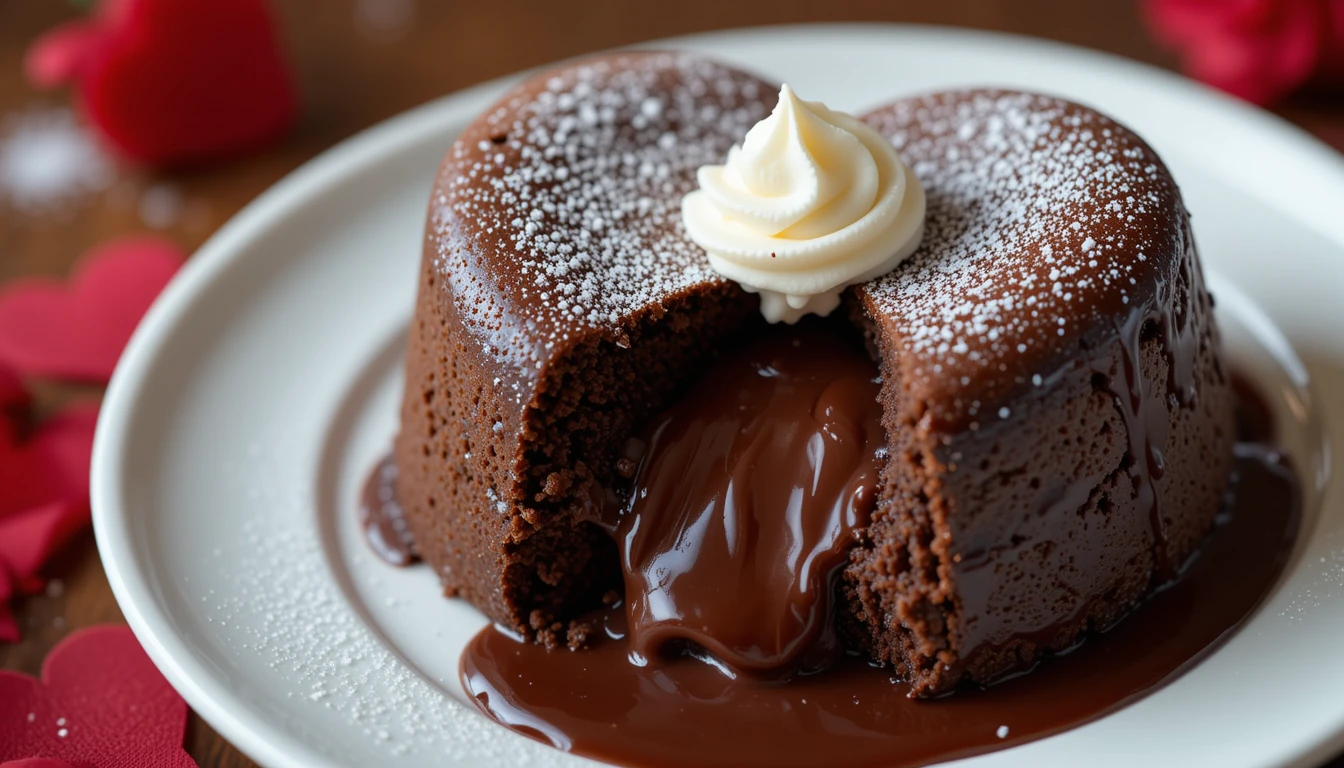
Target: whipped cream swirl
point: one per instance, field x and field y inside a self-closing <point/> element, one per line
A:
<point x="812" y="201"/>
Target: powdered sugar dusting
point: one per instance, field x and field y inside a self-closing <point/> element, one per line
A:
<point x="48" y="161"/>
<point x="1043" y="217"/>
<point x="565" y="200"/>
<point x="286" y="610"/>
<point x="557" y="217"/>
<point x="1313" y="596"/>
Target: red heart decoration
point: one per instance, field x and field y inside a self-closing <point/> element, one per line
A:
<point x="29" y="539"/>
<point x="51" y="465"/>
<point x="78" y="331"/>
<point x="169" y="82"/>
<point x="100" y="704"/>
<point x="44" y="500"/>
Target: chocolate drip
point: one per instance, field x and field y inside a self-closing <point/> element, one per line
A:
<point x="749" y="494"/>
<point x="681" y="713"/>
<point x="1172" y="323"/>
<point x="1146" y="415"/>
<point x="381" y="517"/>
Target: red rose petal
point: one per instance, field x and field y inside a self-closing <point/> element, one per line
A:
<point x="1259" y="50"/>
<point x="62" y="54"/>
<point x="1177" y="22"/>
<point x="1265" y="63"/>
<point x="100" y="703"/>
<point x="52" y="465"/>
<point x="44" y="500"/>
<point x="78" y="331"/>
<point x="29" y="539"/>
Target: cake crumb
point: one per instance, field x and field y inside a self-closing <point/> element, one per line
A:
<point x="1002" y="733"/>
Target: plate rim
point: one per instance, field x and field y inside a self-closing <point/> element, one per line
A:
<point x="267" y="742"/>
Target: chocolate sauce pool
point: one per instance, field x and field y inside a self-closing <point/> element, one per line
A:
<point x="687" y="713"/>
<point x="634" y="698"/>
<point x="647" y="698"/>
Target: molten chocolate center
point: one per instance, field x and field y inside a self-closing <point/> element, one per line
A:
<point x="751" y="491"/>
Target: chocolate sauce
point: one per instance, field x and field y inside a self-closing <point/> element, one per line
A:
<point x="1150" y="373"/>
<point x="1255" y="422"/>
<point x="381" y="517"/>
<point x="755" y="604"/>
<point x="1167" y="318"/>
<point x="804" y="406"/>
<point x="596" y="703"/>
<point x="753" y="489"/>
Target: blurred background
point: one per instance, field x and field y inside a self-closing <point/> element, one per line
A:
<point x="72" y="176"/>
<point x="357" y="62"/>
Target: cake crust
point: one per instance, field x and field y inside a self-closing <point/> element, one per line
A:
<point x="1061" y="422"/>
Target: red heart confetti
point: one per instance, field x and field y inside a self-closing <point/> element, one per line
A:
<point x="51" y="465"/>
<point x="77" y="331"/>
<point x="100" y="704"/>
<point x="44" y="499"/>
<point x="29" y="539"/>
<point x="172" y="83"/>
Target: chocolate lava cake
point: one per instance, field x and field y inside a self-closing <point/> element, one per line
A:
<point x="1059" y="423"/>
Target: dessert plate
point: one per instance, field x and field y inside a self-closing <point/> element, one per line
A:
<point x="264" y="384"/>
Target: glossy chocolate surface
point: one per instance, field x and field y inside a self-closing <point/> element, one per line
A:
<point x="382" y="518"/>
<point x="688" y="713"/>
<point x="558" y="283"/>
<point x="753" y="488"/>
<point x="1058" y="417"/>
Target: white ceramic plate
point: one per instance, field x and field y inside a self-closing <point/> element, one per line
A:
<point x="264" y="383"/>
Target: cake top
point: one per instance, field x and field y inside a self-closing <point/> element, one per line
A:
<point x="556" y="216"/>
<point x="557" y="213"/>
<point x="1048" y="225"/>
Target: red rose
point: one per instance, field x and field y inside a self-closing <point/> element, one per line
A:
<point x="173" y="82"/>
<point x="1259" y="50"/>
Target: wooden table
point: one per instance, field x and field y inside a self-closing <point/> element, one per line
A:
<point x="361" y="61"/>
